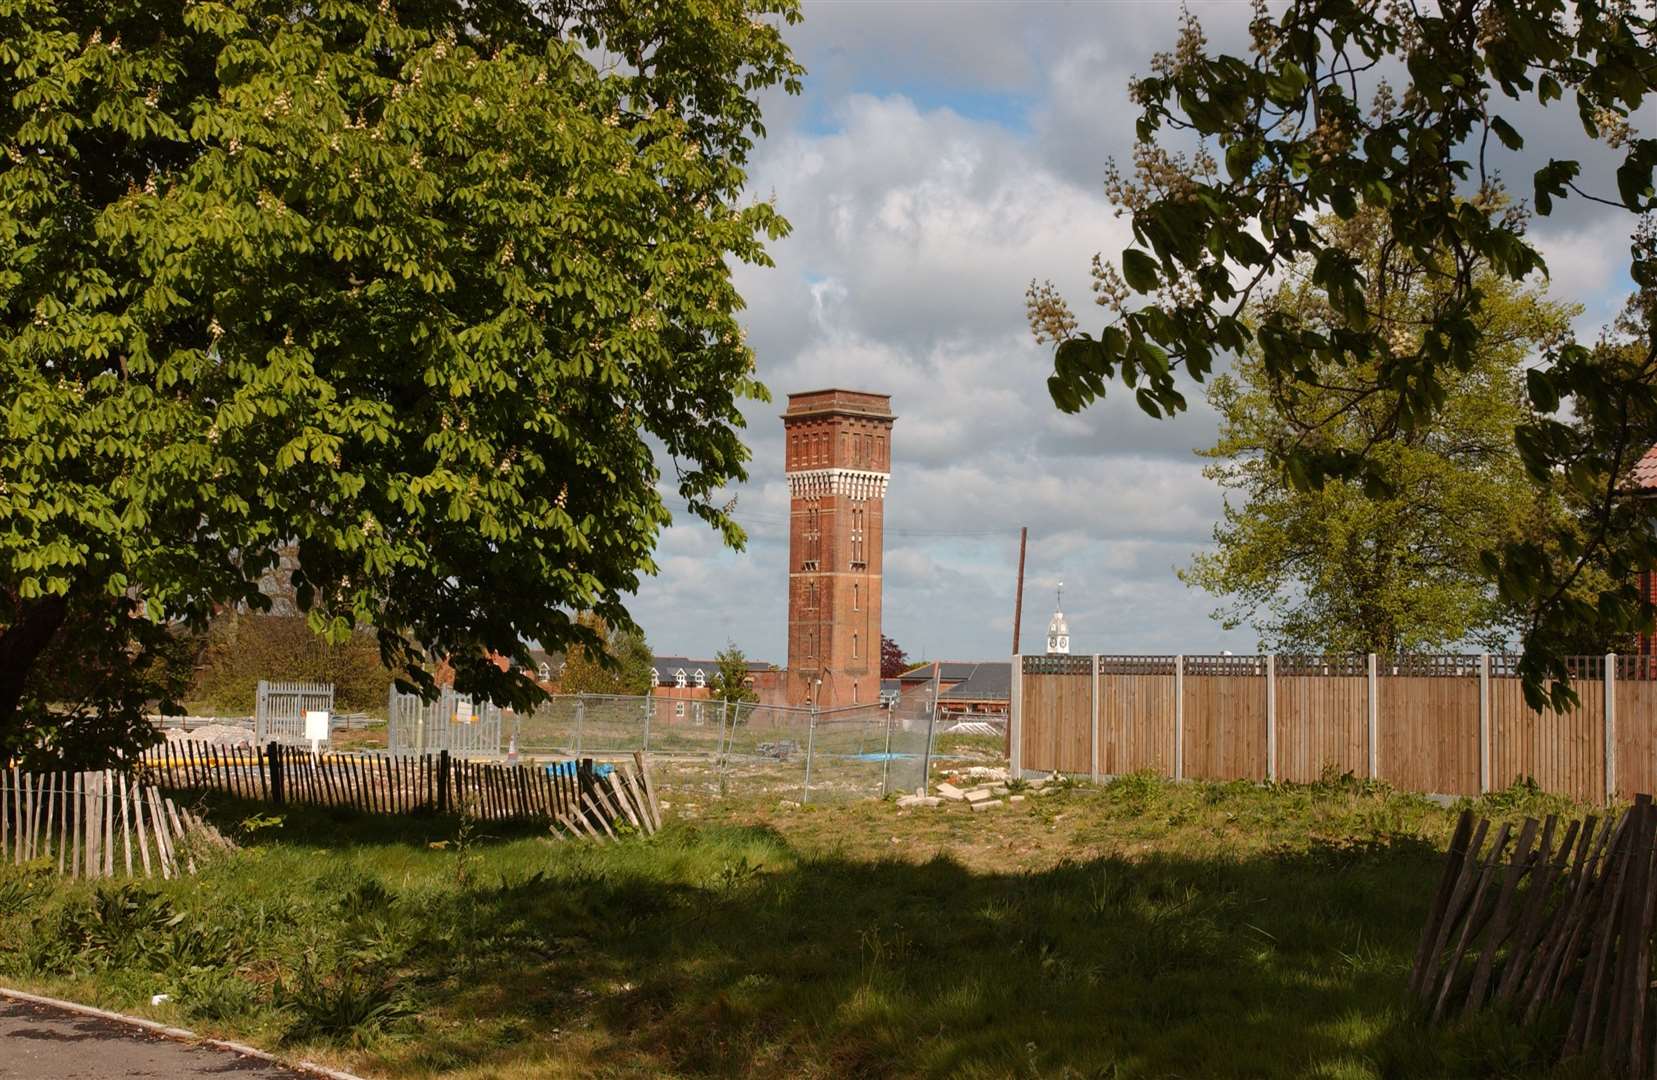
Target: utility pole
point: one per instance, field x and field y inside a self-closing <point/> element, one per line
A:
<point x="1018" y="604"/>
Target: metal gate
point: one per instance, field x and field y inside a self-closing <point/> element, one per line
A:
<point x="454" y="722"/>
<point x="279" y="713"/>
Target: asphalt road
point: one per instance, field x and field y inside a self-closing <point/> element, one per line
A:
<point x="38" y="1042"/>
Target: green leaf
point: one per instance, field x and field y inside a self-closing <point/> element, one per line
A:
<point x="1505" y="132"/>
<point x="1139" y="270"/>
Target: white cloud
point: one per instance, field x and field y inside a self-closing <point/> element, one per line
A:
<point x="941" y="158"/>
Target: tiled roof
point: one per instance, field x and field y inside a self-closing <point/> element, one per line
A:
<point x="950" y="671"/>
<point x="1645" y="471"/>
<point x="666" y="666"/>
<point x="990" y="681"/>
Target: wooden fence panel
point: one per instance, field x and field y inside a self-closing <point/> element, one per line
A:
<point x="1322" y="722"/>
<point x="1563" y="752"/>
<point x="1041" y="719"/>
<point x="1225" y="727"/>
<point x="1136" y="723"/>
<point x="1636" y="734"/>
<point x="1075" y="740"/>
<point x="1057" y="710"/>
<point x="1429" y="732"/>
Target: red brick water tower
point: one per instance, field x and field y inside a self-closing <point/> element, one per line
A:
<point x="838" y="459"/>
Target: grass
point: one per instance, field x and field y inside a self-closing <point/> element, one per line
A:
<point x="1137" y="929"/>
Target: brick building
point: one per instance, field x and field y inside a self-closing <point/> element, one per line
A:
<point x="1645" y="484"/>
<point x="838" y="461"/>
<point x="684" y="684"/>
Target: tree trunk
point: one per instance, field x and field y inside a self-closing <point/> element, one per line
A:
<point x="21" y="645"/>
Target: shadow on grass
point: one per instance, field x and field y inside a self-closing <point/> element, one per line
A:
<point x="727" y="952"/>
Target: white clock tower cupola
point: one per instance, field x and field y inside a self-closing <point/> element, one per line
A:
<point x="1058" y="631"/>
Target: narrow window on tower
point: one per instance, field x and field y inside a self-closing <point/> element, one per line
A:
<point x="857" y="598"/>
<point x="855" y="653"/>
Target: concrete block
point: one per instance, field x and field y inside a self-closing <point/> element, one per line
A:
<point x="987" y="804"/>
<point x="977" y="797"/>
<point x="951" y="792"/>
<point x="1015" y="798"/>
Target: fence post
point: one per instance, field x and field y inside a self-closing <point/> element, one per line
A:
<point x="278" y="783"/>
<point x="443" y="781"/>
<point x="1093" y="729"/>
<point x="1484" y="722"/>
<point x="580" y="714"/>
<point x="1015" y="720"/>
<point x="810" y="742"/>
<point x="886" y="761"/>
<point x="1610" y="682"/>
<point x="1179" y="717"/>
<point x="649" y="707"/>
<point x="261" y="712"/>
<point x="926" y="758"/>
<point x="724" y="739"/>
<point x="1271" y="717"/>
<point x="1374" y="718"/>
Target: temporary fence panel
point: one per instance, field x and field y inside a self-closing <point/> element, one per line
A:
<point x="280" y="708"/>
<point x="1452" y="725"/>
<point x="453" y="722"/>
<point x="912" y="730"/>
<point x="852" y="752"/>
<point x="757" y="748"/>
<point x="765" y="748"/>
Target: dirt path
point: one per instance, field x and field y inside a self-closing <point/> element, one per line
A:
<point x="38" y="1041"/>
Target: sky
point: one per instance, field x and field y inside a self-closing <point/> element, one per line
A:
<point x="941" y="156"/>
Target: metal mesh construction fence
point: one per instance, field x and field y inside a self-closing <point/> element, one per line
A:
<point x="744" y="747"/>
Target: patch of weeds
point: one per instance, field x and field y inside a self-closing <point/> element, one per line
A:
<point x="215" y="994"/>
<point x="1522" y="798"/>
<point x="21" y="890"/>
<point x="117" y="926"/>
<point x="1134" y="793"/>
<point x="736" y="875"/>
<point x="1333" y="782"/>
<point x="349" y="1006"/>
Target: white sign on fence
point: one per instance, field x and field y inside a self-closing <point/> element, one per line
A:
<point x="463" y="712"/>
<point x="316" y="726"/>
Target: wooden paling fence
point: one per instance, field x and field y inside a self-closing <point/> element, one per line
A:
<point x="1538" y="920"/>
<point x="97" y="825"/>
<point x="581" y="797"/>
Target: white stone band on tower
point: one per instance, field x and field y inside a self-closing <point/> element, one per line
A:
<point x="853" y="483"/>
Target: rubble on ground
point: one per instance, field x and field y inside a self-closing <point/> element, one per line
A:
<point x="214" y="734"/>
<point x="992" y="789"/>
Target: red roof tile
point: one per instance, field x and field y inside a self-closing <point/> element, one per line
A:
<point x="1645" y="471"/>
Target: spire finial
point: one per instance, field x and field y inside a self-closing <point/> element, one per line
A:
<point x="1061" y="594"/>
